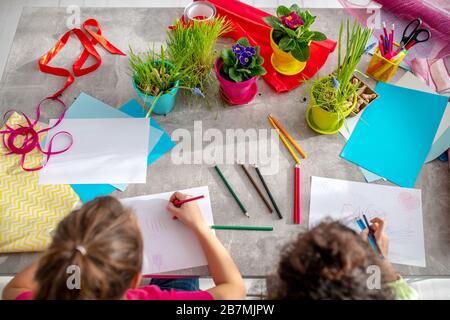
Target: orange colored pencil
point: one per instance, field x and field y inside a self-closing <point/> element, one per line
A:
<point x="291" y="140"/>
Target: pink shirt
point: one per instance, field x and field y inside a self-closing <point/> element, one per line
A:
<point x="148" y="293"/>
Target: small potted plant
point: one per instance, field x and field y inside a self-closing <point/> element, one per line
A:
<point x="290" y="38"/>
<point x="332" y="98"/>
<point x="192" y="45"/>
<point x="157" y="80"/>
<point x="237" y="70"/>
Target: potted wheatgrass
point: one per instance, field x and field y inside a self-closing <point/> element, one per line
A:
<point x="333" y="97"/>
<point x="156" y="80"/>
<point x="290" y="38"/>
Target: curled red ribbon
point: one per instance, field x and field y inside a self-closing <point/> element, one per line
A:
<point x="31" y="136"/>
<point x="89" y="50"/>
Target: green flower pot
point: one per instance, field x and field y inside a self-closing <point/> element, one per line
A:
<point x="323" y="121"/>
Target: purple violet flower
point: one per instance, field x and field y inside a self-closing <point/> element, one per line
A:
<point x="238" y="49"/>
<point x="245" y="59"/>
<point x="250" y="51"/>
<point x="292" y="20"/>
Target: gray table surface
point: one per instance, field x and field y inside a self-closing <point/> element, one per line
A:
<point x="256" y="253"/>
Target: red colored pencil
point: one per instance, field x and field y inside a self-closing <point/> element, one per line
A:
<point x="178" y="203"/>
<point x="297" y="196"/>
<point x="383" y="43"/>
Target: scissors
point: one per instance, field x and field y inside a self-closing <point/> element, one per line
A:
<point x="416" y="35"/>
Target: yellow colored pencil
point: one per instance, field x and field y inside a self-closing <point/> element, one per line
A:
<point x="288" y="136"/>
<point x="297" y="160"/>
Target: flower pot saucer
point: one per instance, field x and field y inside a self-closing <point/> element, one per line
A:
<point x="313" y="126"/>
<point x="244" y="100"/>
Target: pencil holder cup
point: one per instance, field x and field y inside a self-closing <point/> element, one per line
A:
<point x="383" y="69"/>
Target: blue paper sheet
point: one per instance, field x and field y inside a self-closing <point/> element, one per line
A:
<point x="88" y="107"/>
<point x="87" y="192"/>
<point x="396" y="134"/>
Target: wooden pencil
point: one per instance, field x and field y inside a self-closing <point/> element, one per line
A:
<point x="288" y="136"/>
<point x="240" y="204"/>
<point x="178" y="203"/>
<point x="243" y="228"/>
<point x="283" y="139"/>
<point x="297" y="195"/>
<point x="268" y="192"/>
<point x="258" y="189"/>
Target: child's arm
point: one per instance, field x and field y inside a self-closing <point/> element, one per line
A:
<point x="226" y="276"/>
<point x="22" y="282"/>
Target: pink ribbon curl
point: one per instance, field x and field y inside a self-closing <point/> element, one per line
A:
<point x="31" y="136"/>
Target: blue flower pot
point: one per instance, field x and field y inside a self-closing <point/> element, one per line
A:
<point x="165" y="102"/>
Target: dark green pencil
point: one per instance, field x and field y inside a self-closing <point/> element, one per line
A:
<point x="231" y="191"/>
<point x="243" y="228"/>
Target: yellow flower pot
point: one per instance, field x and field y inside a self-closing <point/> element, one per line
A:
<point x="323" y="121"/>
<point x="284" y="62"/>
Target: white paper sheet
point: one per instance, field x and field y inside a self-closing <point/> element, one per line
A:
<point x="103" y="151"/>
<point x="401" y="208"/>
<point x="168" y="244"/>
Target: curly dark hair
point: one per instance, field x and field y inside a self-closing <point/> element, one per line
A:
<point x="328" y="262"/>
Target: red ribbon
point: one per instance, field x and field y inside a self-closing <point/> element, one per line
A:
<point x="89" y="50"/>
<point x="31" y="136"/>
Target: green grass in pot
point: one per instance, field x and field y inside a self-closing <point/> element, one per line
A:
<point x="336" y="93"/>
<point x="194" y="45"/>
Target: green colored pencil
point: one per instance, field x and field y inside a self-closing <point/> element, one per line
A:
<point x="243" y="228"/>
<point x="231" y="191"/>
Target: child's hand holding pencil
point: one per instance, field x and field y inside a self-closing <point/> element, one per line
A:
<point x="188" y="213"/>
<point x="378" y="226"/>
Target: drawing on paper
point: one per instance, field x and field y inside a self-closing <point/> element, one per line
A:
<point x="400" y="208"/>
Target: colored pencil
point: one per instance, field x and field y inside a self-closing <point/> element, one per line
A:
<point x="380" y="47"/>
<point x="240" y="204"/>
<point x="286" y="144"/>
<point x="297" y="195"/>
<point x="288" y="136"/>
<point x="371" y="234"/>
<point x="258" y="189"/>
<point x="383" y="52"/>
<point x="391" y="38"/>
<point x="178" y="203"/>
<point x="242" y="228"/>
<point x="268" y="192"/>
<point x="386" y="38"/>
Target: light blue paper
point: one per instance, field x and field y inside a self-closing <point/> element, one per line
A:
<point x="88" y="107"/>
<point x="87" y="192"/>
<point x="397" y="132"/>
<point x="440" y="146"/>
<point x="369" y="176"/>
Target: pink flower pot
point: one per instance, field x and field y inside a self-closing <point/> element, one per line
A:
<point x="235" y="93"/>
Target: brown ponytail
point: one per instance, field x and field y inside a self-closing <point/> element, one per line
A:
<point x="103" y="240"/>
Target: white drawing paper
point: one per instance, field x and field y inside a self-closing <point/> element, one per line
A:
<point x="169" y="245"/>
<point x="401" y="208"/>
<point x="109" y="151"/>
